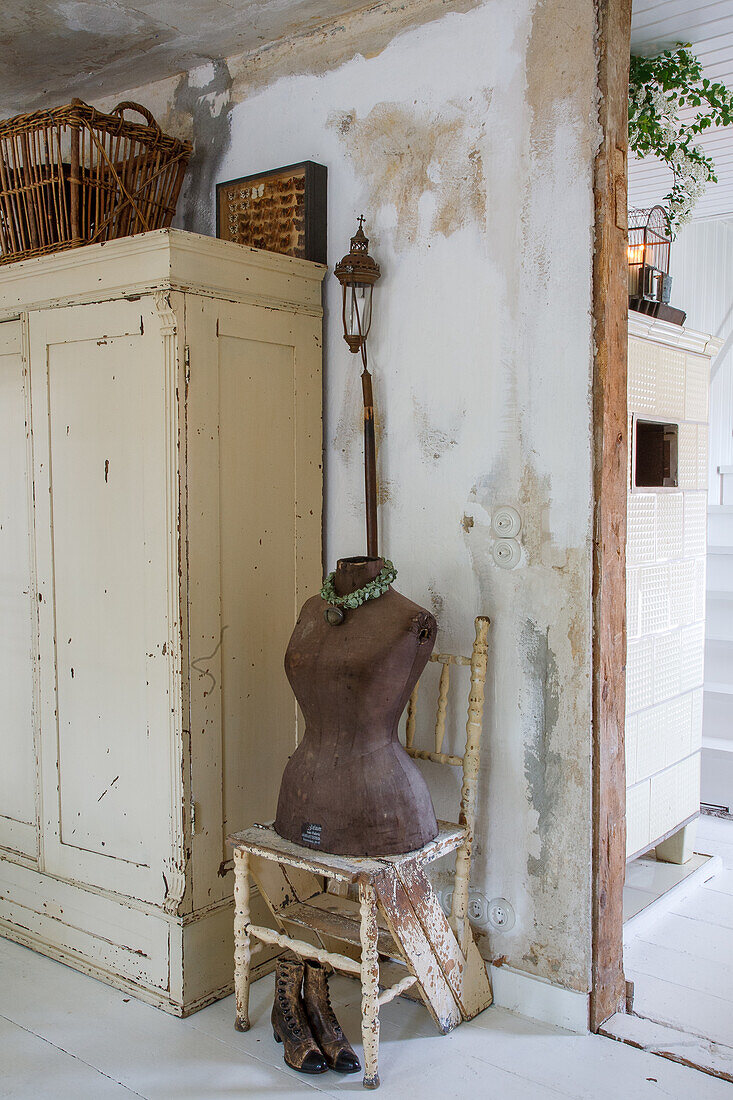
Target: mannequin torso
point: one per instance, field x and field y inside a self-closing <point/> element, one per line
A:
<point x="350" y="787"/>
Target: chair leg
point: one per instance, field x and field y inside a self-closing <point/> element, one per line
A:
<point x="459" y="906"/>
<point x="242" y="953"/>
<point x="369" y="985"/>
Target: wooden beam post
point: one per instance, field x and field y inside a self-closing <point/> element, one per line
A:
<point x="610" y="312"/>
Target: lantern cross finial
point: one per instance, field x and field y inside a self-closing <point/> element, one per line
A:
<point x="361" y="219"/>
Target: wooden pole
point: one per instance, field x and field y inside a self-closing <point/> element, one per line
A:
<point x="610" y="312"/>
<point x="370" y="466"/>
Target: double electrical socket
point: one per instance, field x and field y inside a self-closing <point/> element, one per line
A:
<point x="506" y="523"/>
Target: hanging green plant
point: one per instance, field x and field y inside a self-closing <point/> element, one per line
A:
<point x="659" y="87"/>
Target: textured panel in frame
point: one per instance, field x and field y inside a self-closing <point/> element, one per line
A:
<point x="281" y="211"/>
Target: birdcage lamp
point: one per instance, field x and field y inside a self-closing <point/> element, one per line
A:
<point x="648" y="256"/>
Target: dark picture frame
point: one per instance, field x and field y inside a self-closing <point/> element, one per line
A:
<point x="283" y="210"/>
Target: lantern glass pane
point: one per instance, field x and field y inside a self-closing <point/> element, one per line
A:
<point x="358" y="313"/>
<point x="366" y="300"/>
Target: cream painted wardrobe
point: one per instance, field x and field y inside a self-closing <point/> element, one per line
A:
<point x="160" y="525"/>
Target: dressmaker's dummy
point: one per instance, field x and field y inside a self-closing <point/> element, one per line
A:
<point x="350" y="787"/>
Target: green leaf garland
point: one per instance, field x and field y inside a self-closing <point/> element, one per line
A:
<point x="371" y="591"/>
<point x="658" y="88"/>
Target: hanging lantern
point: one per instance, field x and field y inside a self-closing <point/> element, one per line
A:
<point x="648" y="260"/>
<point x="648" y="255"/>
<point x="357" y="273"/>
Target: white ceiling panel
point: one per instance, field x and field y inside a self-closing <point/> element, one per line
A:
<point x="658" y="25"/>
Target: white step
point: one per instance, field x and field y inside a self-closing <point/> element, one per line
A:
<point x="719" y="615"/>
<point x="720" y="567"/>
<point x="717" y="717"/>
<point x="716" y="778"/>
<point x="720" y="524"/>
<point x="718" y="714"/>
<point x="720" y="744"/>
<point x="718" y="665"/>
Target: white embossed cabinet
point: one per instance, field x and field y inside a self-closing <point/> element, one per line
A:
<point x="160" y="525"/>
<point x="668" y="379"/>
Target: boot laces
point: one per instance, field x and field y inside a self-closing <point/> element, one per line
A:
<point x="323" y="982"/>
<point x="286" y="976"/>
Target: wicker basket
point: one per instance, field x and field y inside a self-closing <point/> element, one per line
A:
<point x="73" y="176"/>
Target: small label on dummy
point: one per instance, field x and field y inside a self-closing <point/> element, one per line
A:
<point x="311" y="834"/>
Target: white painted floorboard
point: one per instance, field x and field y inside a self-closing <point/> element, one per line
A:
<point x="64" y="1036"/>
<point x="682" y="964"/>
<point x="29" y="1066"/>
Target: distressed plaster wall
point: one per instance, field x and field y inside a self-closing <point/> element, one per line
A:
<point x="468" y="142"/>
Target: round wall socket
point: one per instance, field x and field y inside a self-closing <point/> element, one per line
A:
<point x="478" y="907"/>
<point x="506" y="553"/>
<point x="501" y="915"/>
<point x="506" y="522"/>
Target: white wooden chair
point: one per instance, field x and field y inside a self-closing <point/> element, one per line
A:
<point x="396" y="936"/>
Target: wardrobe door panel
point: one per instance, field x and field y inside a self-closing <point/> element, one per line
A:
<point x="18" y="831"/>
<point x="101" y="406"/>
<point x="255" y="488"/>
<point x="269" y="490"/>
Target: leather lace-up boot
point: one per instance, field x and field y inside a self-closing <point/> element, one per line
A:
<point x="289" y="1021"/>
<point x="324" y="1025"/>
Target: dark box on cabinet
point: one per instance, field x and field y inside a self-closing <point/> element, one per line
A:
<point x="281" y="211"/>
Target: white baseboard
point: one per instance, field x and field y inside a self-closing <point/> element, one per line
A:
<point x="539" y="999"/>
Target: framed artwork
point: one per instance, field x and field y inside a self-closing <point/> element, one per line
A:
<point x="281" y="211"/>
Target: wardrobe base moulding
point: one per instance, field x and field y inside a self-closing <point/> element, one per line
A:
<point x="74" y="926"/>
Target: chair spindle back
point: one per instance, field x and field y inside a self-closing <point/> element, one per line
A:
<point x="469" y="762"/>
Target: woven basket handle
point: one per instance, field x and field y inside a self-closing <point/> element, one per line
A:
<point x="128" y="105"/>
